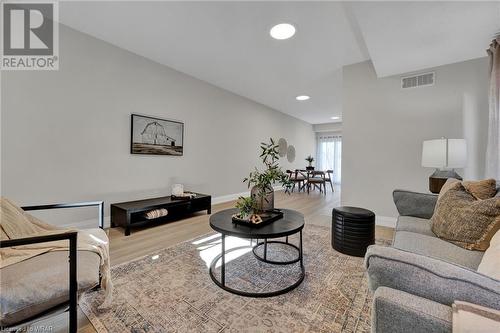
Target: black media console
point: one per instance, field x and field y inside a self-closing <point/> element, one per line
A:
<point x="132" y="213"/>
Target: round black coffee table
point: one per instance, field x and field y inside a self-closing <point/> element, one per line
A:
<point x="291" y="223"/>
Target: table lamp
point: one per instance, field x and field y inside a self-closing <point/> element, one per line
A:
<point x="444" y="155"/>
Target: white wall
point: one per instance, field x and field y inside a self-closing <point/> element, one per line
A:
<point x="66" y="134"/>
<point x="383" y="128"/>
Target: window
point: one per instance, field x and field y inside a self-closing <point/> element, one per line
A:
<point x="329" y="154"/>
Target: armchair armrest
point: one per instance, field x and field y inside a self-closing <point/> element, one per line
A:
<point x="73" y="283"/>
<point x="414" y="204"/>
<point x="430" y="278"/>
<point x="396" y="311"/>
<point x="99" y="204"/>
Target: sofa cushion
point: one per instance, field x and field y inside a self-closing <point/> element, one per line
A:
<point x="468" y="222"/>
<point x="395" y="311"/>
<point x="416" y="204"/>
<point x="414" y="224"/>
<point x="429" y="278"/>
<point x="490" y="264"/>
<point x="434" y="247"/>
<point x="33" y="286"/>
<point x="481" y="189"/>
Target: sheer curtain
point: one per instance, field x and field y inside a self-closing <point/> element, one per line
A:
<point x="329" y="154"/>
<point x="493" y="147"/>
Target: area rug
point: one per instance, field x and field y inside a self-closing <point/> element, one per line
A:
<point x="171" y="291"/>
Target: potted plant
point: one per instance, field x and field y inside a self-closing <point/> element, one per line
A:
<point x="262" y="181"/>
<point x="246" y="206"/>
<point x="310" y="160"/>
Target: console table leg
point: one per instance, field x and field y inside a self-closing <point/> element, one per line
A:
<point x="223" y="261"/>
<point x="127" y="231"/>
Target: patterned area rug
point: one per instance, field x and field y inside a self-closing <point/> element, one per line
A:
<point x="171" y="290"/>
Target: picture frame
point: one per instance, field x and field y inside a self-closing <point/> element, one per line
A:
<point x="156" y="136"/>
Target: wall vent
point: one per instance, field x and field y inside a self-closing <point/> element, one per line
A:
<point x="418" y="80"/>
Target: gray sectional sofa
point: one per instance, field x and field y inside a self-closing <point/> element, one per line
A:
<point x="417" y="279"/>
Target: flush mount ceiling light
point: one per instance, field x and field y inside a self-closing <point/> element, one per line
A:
<point x="335" y="118"/>
<point x="302" y="98"/>
<point x="282" y="31"/>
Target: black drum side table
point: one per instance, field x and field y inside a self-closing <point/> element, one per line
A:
<point x="353" y="230"/>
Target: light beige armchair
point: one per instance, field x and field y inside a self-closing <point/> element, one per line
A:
<point x="46" y="283"/>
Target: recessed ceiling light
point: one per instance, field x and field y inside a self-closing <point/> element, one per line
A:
<point x="335" y="118"/>
<point x="282" y="31"/>
<point x="302" y="98"/>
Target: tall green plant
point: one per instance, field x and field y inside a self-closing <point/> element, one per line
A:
<point x="272" y="174"/>
<point x="246" y="206"/>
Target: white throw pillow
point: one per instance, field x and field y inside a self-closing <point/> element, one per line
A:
<point x="490" y="264"/>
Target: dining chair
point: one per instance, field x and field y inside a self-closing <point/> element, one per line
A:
<point x="296" y="178"/>
<point x="329" y="178"/>
<point x="317" y="179"/>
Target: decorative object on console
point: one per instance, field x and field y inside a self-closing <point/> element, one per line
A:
<point x="310" y="160"/>
<point x="156" y="136"/>
<point x="444" y="155"/>
<point x="262" y="181"/>
<point x="282" y="147"/>
<point x="156" y="213"/>
<point x="177" y="189"/>
<point x="184" y="196"/>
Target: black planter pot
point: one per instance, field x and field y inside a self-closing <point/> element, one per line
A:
<point x="310" y="168"/>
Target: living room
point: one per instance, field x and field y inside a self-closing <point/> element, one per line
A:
<point x="250" y="166"/>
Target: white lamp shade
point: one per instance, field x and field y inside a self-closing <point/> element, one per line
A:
<point x="444" y="153"/>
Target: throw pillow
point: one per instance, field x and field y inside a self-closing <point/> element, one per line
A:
<point x="490" y="263"/>
<point x="481" y="189"/>
<point x="464" y="220"/>
<point x="468" y="317"/>
<point x="449" y="184"/>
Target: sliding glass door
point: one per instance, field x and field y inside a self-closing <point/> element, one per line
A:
<point x="329" y="154"/>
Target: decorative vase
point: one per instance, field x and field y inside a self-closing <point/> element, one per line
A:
<point x="265" y="203"/>
<point x="177" y="189"/>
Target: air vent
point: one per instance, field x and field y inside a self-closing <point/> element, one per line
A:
<point x="418" y="80"/>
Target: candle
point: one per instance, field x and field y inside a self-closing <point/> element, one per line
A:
<point x="177" y="189"/>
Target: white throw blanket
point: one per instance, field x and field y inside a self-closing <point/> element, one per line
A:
<point x="15" y="223"/>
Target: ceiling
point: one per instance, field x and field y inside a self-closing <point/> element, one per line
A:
<point x="228" y="44"/>
<point x="403" y="37"/>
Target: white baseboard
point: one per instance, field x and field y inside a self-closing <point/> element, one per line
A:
<point x="385" y="221"/>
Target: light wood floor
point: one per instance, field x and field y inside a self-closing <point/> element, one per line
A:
<point x="316" y="208"/>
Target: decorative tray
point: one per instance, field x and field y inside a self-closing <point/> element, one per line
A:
<point x="186" y="196"/>
<point x="259" y="220"/>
